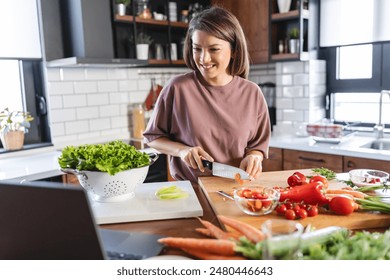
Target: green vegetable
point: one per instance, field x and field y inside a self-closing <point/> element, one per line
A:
<point x="112" y="157"/>
<point x="327" y="173"/>
<point x="372" y="203"/>
<point x="171" y="192"/>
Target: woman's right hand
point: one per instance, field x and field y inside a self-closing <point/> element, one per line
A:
<point x="193" y="156"/>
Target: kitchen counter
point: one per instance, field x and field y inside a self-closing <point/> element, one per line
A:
<point x="224" y="206"/>
<point x="350" y="146"/>
<point x="42" y="163"/>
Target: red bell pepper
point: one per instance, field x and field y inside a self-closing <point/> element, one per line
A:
<point x="311" y="193"/>
<point x="296" y="179"/>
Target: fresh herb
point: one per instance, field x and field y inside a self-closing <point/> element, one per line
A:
<point x="372" y="188"/>
<point x="373" y="203"/>
<point x="112" y="157"/>
<point x="327" y="173"/>
<point x="332" y="243"/>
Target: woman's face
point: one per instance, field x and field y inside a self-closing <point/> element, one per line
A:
<point x="212" y="57"/>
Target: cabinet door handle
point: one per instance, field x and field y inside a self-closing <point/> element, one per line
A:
<point x="311" y="159"/>
<point x="350" y="164"/>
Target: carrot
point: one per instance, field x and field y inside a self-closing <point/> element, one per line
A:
<point x="356" y="194"/>
<point x="216" y="246"/>
<point x="204" y="231"/>
<point x="238" y="179"/>
<point x="332" y="195"/>
<point x="215" y="231"/>
<point x="208" y="256"/>
<point x="253" y="234"/>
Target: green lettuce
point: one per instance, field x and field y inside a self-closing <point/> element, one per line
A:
<point x="112" y="157"/>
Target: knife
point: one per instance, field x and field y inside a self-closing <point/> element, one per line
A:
<point x="224" y="170"/>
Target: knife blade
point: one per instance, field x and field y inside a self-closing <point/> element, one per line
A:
<point x="224" y="170"/>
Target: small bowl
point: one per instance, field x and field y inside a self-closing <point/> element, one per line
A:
<point x="368" y="177"/>
<point x="256" y="201"/>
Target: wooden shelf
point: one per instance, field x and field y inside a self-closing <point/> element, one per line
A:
<point x="290" y="56"/>
<point x="131" y="19"/>
<point x="294" y="14"/>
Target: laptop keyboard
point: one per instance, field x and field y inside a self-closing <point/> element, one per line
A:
<point x="123" y="256"/>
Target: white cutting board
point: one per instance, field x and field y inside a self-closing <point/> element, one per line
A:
<point x="145" y="206"/>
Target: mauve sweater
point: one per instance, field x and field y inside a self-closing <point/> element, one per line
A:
<point x="226" y="121"/>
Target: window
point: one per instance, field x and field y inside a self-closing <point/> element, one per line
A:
<point x="21" y="86"/>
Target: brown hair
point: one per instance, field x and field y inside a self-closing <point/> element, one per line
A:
<point x="223" y="25"/>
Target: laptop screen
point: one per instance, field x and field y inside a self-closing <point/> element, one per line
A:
<point x="45" y="220"/>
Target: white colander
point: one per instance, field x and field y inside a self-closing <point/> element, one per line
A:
<point x="118" y="187"/>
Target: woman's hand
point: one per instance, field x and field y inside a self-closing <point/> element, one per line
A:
<point x="252" y="164"/>
<point x="193" y="156"/>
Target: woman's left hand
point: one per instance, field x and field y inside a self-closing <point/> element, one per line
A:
<point x="252" y="164"/>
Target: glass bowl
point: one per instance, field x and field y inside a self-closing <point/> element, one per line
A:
<point x="256" y="201"/>
<point x="368" y="177"/>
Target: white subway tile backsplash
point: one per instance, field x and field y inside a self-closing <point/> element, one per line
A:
<point x="89" y="135"/>
<point x="284" y="103"/>
<point x="97" y="99"/>
<point x="57" y="88"/>
<point x="293" y="115"/>
<point x="73" y="101"/>
<point x="76" y="127"/>
<point x="87" y="113"/>
<point x="138" y="97"/>
<point x="302" y="104"/>
<point x="57" y="129"/>
<point x="128" y="85"/>
<point x="107" y="86"/>
<point x="55" y="102"/>
<point x="144" y="84"/>
<point x="284" y="80"/>
<point x="62" y="115"/>
<point x="85" y="87"/>
<point x="109" y="111"/>
<point x="293" y="92"/>
<point x="293" y="67"/>
<point x="119" y="122"/>
<point x="301" y="79"/>
<point x="116" y="73"/>
<point x="53" y="74"/>
<point x="118" y="97"/>
<point x="72" y="74"/>
<point x="95" y="74"/>
<point x="99" y="124"/>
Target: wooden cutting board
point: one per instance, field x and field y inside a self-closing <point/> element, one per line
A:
<point x="145" y="206"/>
<point x="224" y="206"/>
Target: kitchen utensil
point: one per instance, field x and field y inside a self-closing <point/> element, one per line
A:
<point x="224" y="170"/>
<point x="106" y="188"/>
<point x="256" y="201"/>
<point x="225" y="194"/>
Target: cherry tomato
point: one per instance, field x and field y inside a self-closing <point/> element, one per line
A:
<point x="342" y="205"/>
<point x="296" y="207"/>
<point x="312" y="211"/>
<point x="289" y="205"/>
<point x="258" y="195"/>
<point x="246" y="193"/>
<point x="281" y="209"/>
<point x="294" y="180"/>
<point x="302" y="213"/>
<point x="319" y="178"/>
<point x="290" y="214"/>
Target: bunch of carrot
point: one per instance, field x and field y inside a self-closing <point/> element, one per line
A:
<point x="221" y="245"/>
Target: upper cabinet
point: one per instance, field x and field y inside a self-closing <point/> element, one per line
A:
<point x="293" y="29"/>
<point x="253" y="17"/>
<point x="159" y="24"/>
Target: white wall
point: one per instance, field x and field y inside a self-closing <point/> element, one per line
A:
<point x="90" y="105"/>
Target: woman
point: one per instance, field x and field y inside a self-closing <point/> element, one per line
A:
<point x="214" y="112"/>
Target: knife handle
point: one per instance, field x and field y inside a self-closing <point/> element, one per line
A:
<point x="207" y="164"/>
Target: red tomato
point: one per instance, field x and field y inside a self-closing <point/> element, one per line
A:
<point x="319" y="178"/>
<point x="281" y="209"/>
<point x="266" y="203"/>
<point x="258" y="195"/>
<point x="301" y="176"/>
<point x="247" y="193"/>
<point x="302" y="213"/>
<point x="312" y="211"/>
<point x="296" y="207"/>
<point x="342" y="205"/>
<point x="290" y="214"/>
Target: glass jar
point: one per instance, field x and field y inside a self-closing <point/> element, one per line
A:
<point x="143" y="9"/>
<point x="138" y="121"/>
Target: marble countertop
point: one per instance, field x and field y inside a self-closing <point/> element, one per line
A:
<point x="42" y="163"/>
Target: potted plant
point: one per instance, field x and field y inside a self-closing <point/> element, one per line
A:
<point x="142" y="44"/>
<point x="13" y="126"/>
<point x="293" y="40"/>
<point x="121" y="6"/>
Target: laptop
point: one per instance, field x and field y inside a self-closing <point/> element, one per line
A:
<point x="51" y="221"/>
